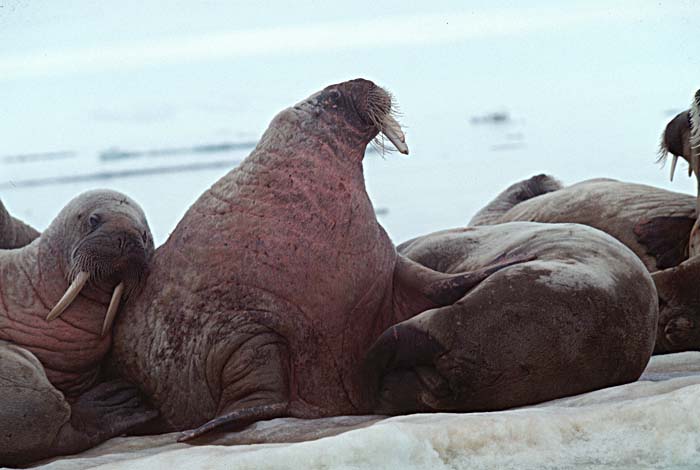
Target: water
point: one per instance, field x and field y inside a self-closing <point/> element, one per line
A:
<point x="588" y="88"/>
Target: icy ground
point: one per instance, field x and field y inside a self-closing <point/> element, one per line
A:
<point x="650" y="424"/>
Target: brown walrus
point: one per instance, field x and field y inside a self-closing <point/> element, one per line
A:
<point x="580" y="317"/>
<point x="270" y="291"/>
<point x="660" y="226"/>
<point x="654" y="223"/>
<point x="58" y="299"/>
<point x="681" y="138"/>
<point x="13" y="232"/>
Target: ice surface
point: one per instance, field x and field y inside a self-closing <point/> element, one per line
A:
<point x="650" y="424"/>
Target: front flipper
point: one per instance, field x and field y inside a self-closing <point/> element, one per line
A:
<point x="237" y="419"/>
<point x="666" y="239"/>
<point x="250" y="375"/>
<point x="418" y="288"/>
<point x="36" y="421"/>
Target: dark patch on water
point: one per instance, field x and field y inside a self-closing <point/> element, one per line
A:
<point x="105" y="175"/>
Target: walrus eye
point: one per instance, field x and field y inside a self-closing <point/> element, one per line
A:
<point x="94" y="221"/>
<point x="144" y="237"/>
<point x="334" y="97"/>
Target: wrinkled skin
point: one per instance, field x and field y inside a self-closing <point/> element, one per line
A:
<point x="13" y="232"/>
<point x="580" y="317"/>
<point x="652" y="222"/>
<point x="268" y="294"/>
<point x="51" y="402"/>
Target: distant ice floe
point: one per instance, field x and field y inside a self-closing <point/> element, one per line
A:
<point x="652" y="423"/>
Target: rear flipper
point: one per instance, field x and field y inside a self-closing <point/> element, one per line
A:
<point x="418" y="288"/>
<point x="36" y="421"/>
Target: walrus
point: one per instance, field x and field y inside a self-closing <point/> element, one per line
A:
<point x="654" y="223"/>
<point x="581" y="316"/>
<point x="660" y="226"/>
<point x="681" y="138"/>
<point x="268" y="294"/>
<point x="13" y="232"/>
<point x="58" y="299"/>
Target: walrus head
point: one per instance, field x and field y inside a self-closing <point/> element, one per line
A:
<point x="681" y="138"/>
<point x="361" y="109"/>
<point x="107" y="246"/>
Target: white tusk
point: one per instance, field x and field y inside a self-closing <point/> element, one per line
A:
<point x="70" y="295"/>
<point x="392" y="130"/>
<point x="113" y="307"/>
<point x="673" y="165"/>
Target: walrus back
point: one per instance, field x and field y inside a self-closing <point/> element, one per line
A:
<point x="514" y="195"/>
<point x="13" y="232"/>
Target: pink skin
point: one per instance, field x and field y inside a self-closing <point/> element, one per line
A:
<point x="269" y="292"/>
<point x="33" y="279"/>
<point x="50" y="401"/>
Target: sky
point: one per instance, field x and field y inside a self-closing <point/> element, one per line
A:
<point x="589" y="87"/>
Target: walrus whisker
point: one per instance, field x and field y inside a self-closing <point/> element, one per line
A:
<point x="69" y="296"/>
<point x="113" y="307"/>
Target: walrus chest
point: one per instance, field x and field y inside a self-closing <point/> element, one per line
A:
<point x="68" y="348"/>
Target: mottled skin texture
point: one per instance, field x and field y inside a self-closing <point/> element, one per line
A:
<point x="652" y="222"/>
<point x="50" y="400"/>
<point x="13" y="232"/>
<point x="269" y="292"/>
<point x="580" y="317"/>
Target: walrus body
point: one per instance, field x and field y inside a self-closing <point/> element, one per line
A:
<point x="654" y="223"/>
<point x="50" y="401"/>
<point x="580" y="316"/>
<point x="13" y="232"/>
<point x="268" y="294"/>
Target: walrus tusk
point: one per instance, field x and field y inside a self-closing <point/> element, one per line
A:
<point x="70" y="295"/>
<point x="113" y="307"/>
<point x="673" y="165"/>
<point x="392" y="130"/>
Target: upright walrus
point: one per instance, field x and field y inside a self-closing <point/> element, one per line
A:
<point x="13" y="232"/>
<point x="272" y="288"/>
<point x="58" y="298"/>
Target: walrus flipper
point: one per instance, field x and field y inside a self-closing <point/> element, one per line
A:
<point x="237" y="419"/>
<point x="666" y="239"/>
<point x="253" y="380"/>
<point x="37" y="422"/>
<point x="514" y="195"/>
<point x="418" y="288"/>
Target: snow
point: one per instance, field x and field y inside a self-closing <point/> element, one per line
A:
<point x="651" y="423"/>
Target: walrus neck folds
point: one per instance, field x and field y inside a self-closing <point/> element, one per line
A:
<point x="32" y="279"/>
